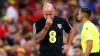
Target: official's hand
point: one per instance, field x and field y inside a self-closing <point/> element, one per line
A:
<point x="65" y="48"/>
<point x="48" y="22"/>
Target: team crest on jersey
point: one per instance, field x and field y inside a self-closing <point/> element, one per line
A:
<point x="59" y="25"/>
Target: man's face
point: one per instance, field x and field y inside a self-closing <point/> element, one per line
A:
<point x="77" y="52"/>
<point x="79" y="15"/>
<point x="47" y="14"/>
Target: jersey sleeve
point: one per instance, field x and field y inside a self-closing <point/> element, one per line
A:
<point x="66" y="26"/>
<point x="35" y="28"/>
<point x="88" y="33"/>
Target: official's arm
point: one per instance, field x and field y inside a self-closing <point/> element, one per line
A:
<point x="89" y="42"/>
<point x="70" y="32"/>
<point x="40" y="35"/>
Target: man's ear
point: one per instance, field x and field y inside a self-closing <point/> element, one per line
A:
<point x="54" y="12"/>
<point x="86" y="15"/>
<point x="83" y="14"/>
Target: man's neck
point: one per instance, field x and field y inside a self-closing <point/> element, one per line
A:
<point x="84" y="20"/>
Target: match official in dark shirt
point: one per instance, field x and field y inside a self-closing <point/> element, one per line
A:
<point x="48" y="32"/>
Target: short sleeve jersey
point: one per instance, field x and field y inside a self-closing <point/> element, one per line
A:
<point x="90" y="32"/>
<point x="53" y="41"/>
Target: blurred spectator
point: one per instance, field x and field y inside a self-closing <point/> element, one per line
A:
<point x="4" y="10"/>
<point x="20" y="39"/>
<point x="14" y="48"/>
<point x="2" y="2"/>
<point x="24" y="15"/>
<point x="5" y="31"/>
<point x="71" y="51"/>
<point x="78" y="50"/>
<point x="21" y="51"/>
<point x="12" y="11"/>
<point x="31" y="45"/>
<point x="34" y="53"/>
<point x="7" y="49"/>
<point x="4" y="27"/>
<point x="95" y="19"/>
<point x="27" y="30"/>
<point x="31" y="4"/>
<point x="2" y="52"/>
<point x="36" y="13"/>
<point x="77" y="42"/>
<point x="1" y="32"/>
<point x="98" y="13"/>
<point x="22" y="3"/>
<point x="58" y="12"/>
<point x="83" y="3"/>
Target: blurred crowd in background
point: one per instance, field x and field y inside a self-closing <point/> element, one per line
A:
<point x="18" y="16"/>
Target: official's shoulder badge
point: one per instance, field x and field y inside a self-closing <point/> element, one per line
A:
<point x="59" y="25"/>
<point x="86" y="28"/>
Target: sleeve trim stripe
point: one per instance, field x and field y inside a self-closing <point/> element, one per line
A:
<point x="34" y="28"/>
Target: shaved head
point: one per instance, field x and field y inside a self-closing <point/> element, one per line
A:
<point x="48" y="10"/>
<point x="48" y="6"/>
